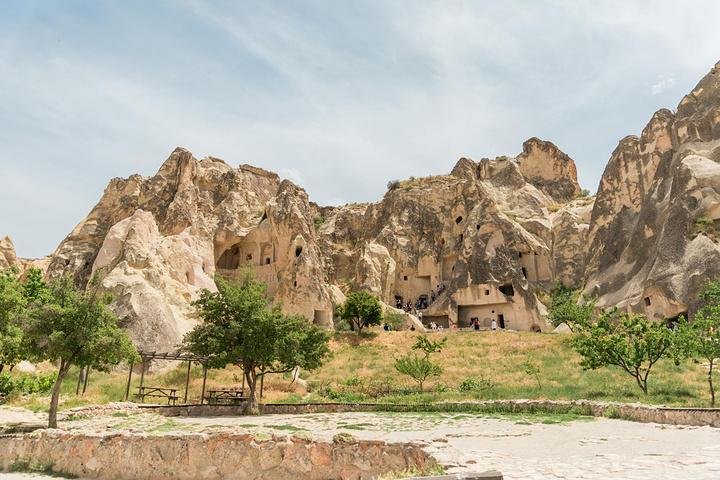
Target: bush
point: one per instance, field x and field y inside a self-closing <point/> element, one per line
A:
<point x="583" y="193"/>
<point x="471" y="384"/>
<point x="42" y="383"/>
<point x="317" y="221"/>
<point x="342" y="325"/>
<point x="396" y="321"/>
<point x="393" y="184"/>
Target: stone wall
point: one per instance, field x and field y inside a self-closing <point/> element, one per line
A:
<point x="202" y="456"/>
<point x="635" y="412"/>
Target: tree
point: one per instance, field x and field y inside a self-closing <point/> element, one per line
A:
<point x="239" y="328"/>
<point x="564" y="309"/>
<point x="420" y="368"/>
<point x="627" y="340"/>
<point x="362" y="309"/>
<point x="74" y="327"/>
<point x="12" y="304"/>
<point x="702" y="338"/>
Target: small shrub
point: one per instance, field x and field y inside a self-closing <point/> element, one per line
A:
<point x="342" y="325"/>
<point x="612" y="412"/>
<point x="583" y="193"/>
<point x="396" y="321"/>
<point x="501" y="158"/>
<point x="317" y="221"/>
<point x="471" y="384"/>
<point x="393" y="184"/>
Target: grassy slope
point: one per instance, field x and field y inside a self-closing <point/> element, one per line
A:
<point x="499" y="356"/>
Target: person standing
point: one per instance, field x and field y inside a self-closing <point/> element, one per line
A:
<point x="494" y="325"/>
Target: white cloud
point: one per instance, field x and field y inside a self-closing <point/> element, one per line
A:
<point x="664" y="83"/>
<point x="292" y="174"/>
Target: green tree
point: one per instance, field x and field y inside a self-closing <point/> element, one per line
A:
<point x="564" y="309"/>
<point x="421" y="368"/>
<point x="239" y="327"/>
<point x="35" y="288"/>
<point x="12" y="304"/>
<point x="74" y="327"/>
<point x="627" y="340"/>
<point x="362" y="309"/>
<point x="702" y="338"/>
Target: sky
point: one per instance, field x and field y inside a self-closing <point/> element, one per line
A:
<point x="338" y="96"/>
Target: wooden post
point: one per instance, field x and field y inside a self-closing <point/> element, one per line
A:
<point x="262" y="383"/>
<point x="187" y="381"/>
<point x="77" y="389"/>
<point x="127" y="390"/>
<point x="243" y="385"/>
<point x="142" y="379"/>
<point x="202" y="396"/>
<point x="87" y="375"/>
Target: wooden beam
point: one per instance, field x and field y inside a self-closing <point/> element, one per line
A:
<point x="127" y="390"/>
<point x="87" y="375"/>
<point x="202" y="396"/>
<point x="187" y="382"/>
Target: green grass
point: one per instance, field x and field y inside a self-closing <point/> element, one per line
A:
<point x="361" y="368"/>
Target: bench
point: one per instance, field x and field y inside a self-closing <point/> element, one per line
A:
<point x="225" y="396"/>
<point x="158" y="392"/>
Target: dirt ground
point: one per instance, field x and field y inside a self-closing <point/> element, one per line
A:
<point x="521" y="447"/>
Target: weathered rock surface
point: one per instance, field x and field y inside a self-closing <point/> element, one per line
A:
<point x="492" y="232"/>
<point x="652" y="235"/>
<point x="8" y="257"/>
<point x="227" y="455"/>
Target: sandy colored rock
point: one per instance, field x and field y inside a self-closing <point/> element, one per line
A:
<point x="8" y="257"/>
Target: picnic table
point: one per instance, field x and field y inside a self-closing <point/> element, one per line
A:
<point x="227" y="396"/>
<point x="158" y="392"/>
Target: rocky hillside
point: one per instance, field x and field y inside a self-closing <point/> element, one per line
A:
<point x="653" y="239"/>
<point x="493" y="233"/>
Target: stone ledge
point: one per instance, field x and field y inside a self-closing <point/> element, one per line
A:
<point x="627" y="411"/>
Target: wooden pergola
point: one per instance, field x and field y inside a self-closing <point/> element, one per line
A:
<point x="178" y="357"/>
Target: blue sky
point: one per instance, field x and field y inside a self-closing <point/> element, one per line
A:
<point x="338" y="96"/>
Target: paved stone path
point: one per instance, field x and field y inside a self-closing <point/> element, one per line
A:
<point x="521" y="447"/>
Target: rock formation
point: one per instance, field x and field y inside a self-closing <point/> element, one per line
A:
<point x="652" y="236"/>
<point x="493" y="232"/>
<point x="8" y="257"/>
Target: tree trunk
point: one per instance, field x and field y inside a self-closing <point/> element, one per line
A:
<point x="712" y="390"/>
<point x="55" y="399"/>
<point x="251" y="407"/>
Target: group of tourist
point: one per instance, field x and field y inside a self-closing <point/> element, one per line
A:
<point x="422" y="303"/>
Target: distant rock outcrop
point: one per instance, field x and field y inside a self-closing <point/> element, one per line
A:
<point x="8" y="257"/>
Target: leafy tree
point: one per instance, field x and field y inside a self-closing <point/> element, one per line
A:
<point x="239" y="328"/>
<point x="702" y="338"/>
<point x="362" y="309"/>
<point x="420" y="368"/>
<point x="74" y="327"/>
<point x="564" y="309"/>
<point x="35" y="288"/>
<point x="627" y="340"/>
<point x="12" y="304"/>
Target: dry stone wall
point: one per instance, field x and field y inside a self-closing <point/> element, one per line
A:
<point x="116" y="456"/>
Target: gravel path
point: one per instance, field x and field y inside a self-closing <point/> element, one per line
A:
<point x="521" y="447"/>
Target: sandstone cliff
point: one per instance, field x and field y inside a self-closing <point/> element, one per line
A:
<point x="493" y="233"/>
<point x="653" y="241"/>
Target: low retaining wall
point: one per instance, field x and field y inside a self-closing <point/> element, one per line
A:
<point x="636" y="412"/>
<point x="201" y="456"/>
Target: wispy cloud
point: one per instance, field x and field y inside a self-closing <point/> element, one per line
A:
<point x="664" y="83"/>
<point x="338" y="97"/>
